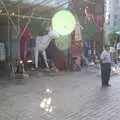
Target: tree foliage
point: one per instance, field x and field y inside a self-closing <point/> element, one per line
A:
<point x="112" y="39"/>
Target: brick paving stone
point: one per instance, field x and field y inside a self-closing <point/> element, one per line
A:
<point x="69" y="96"/>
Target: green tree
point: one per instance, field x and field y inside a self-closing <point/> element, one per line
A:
<point x="112" y="39"/>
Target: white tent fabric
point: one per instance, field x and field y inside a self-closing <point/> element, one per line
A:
<point x="78" y="30"/>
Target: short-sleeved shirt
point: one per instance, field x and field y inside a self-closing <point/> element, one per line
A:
<point x="105" y="57"/>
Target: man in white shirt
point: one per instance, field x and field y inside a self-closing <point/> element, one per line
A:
<point x="105" y="67"/>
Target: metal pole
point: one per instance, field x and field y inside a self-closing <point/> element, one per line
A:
<point x="8" y="43"/>
<point x="26" y="16"/>
<point x="69" y="48"/>
<point x="78" y="20"/>
<point x="71" y="7"/>
<point x="103" y="32"/>
<point x="18" y="41"/>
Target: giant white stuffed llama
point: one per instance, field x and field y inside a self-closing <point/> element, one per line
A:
<point x="42" y="42"/>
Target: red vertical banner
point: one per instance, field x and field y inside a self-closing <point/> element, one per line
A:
<point x="24" y="41"/>
<point x="76" y="37"/>
<point x="99" y="20"/>
<point x="89" y="15"/>
<point x="76" y="50"/>
<point x="76" y="47"/>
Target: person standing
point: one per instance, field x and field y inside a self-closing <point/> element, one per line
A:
<point x="105" y="67"/>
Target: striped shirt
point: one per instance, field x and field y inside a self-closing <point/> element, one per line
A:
<point x="105" y="57"/>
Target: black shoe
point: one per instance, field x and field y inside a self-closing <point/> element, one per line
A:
<point x="108" y="85"/>
<point x="103" y="86"/>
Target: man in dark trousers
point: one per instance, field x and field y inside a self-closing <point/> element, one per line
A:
<point x="105" y="67"/>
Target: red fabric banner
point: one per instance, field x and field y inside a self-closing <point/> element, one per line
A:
<point x="89" y="15"/>
<point x="76" y="49"/>
<point x="24" y="42"/>
<point x="99" y="21"/>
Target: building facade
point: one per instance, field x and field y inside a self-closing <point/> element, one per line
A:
<point x="112" y="15"/>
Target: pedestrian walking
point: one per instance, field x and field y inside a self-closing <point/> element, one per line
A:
<point x="105" y="67"/>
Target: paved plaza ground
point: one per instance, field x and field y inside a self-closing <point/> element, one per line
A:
<point x="60" y="96"/>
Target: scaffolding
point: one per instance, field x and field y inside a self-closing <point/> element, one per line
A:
<point x="14" y="14"/>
